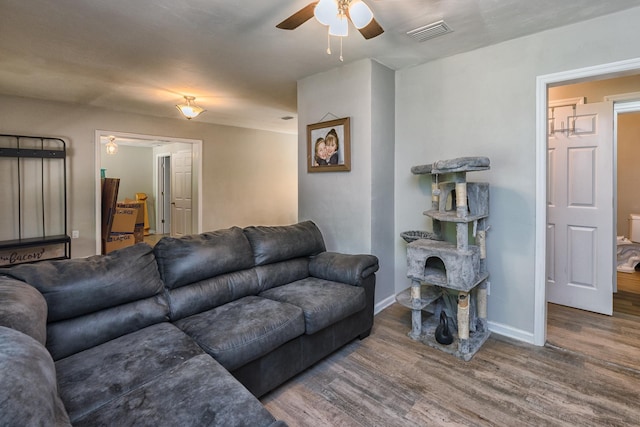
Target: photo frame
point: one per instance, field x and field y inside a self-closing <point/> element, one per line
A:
<point x="329" y="146"/>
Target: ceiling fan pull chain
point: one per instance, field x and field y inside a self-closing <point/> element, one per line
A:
<point x="328" y="43"/>
<point x="341" y="59"/>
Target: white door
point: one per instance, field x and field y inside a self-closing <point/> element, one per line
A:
<point x="580" y="236"/>
<point x="181" y="193"/>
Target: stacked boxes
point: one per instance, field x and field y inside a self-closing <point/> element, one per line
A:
<point x="138" y="228"/>
<point x="122" y="222"/>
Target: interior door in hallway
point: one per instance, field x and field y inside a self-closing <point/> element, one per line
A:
<point x="181" y="193"/>
<point x="580" y="235"/>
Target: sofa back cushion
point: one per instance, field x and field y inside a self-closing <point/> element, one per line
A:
<point x="190" y="259"/>
<point x="206" y="270"/>
<point x="93" y="300"/>
<point x="210" y="293"/>
<point x="281" y="243"/>
<point x="282" y="273"/>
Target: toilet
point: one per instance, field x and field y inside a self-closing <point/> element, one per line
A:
<point x="634" y="227"/>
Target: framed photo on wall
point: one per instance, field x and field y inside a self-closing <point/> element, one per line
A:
<point x="329" y="146"/>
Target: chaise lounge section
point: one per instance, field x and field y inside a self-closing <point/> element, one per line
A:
<point x="187" y="333"/>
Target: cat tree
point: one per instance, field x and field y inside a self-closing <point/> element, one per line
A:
<point x="443" y="271"/>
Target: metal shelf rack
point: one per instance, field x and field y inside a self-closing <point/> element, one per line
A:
<point x="33" y="206"/>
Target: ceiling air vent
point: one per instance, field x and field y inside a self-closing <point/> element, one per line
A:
<point x="430" y="31"/>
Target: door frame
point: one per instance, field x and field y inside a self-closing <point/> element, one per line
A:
<point x="196" y="146"/>
<point x="543" y="82"/>
<point x="623" y="103"/>
<point x="156" y="189"/>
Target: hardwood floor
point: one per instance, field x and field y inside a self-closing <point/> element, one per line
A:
<point x="627" y="299"/>
<point x="588" y="375"/>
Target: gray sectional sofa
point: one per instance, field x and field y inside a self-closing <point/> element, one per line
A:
<point x="187" y="333"/>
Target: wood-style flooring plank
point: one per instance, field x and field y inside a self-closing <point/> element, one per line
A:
<point x="388" y="379"/>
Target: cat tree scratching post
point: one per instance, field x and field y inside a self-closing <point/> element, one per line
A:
<point x="436" y="266"/>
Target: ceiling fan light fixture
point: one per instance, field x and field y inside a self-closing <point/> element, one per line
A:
<point x="360" y="14"/>
<point x="189" y="109"/>
<point x="326" y="11"/>
<point x="339" y="27"/>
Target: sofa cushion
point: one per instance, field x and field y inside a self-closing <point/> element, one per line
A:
<point x="280" y="243"/>
<point x="196" y="392"/>
<point x="29" y="394"/>
<point x="93" y="300"/>
<point x="210" y="293"/>
<point x="23" y="308"/>
<point x="78" y="286"/>
<point x="281" y="273"/>
<point x="92" y="378"/>
<point x="323" y="302"/>
<point x="193" y="258"/>
<point x="243" y="330"/>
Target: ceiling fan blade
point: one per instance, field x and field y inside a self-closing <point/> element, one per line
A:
<point x="371" y="30"/>
<point x="298" y="18"/>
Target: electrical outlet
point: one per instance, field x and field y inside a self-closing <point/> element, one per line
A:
<point x="488" y="288"/>
<point x="75" y="234"/>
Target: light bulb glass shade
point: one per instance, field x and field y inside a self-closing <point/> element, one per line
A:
<point x="111" y="146"/>
<point x="360" y="14"/>
<point x="339" y="27"/>
<point x="189" y="110"/>
<point x="326" y="11"/>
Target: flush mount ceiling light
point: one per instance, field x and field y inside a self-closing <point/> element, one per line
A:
<point x="189" y="109"/>
<point x="336" y="14"/>
<point x="112" y="147"/>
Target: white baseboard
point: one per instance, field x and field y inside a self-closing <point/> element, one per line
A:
<point x="498" y="328"/>
<point x="384" y="304"/>
<point x="511" y="332"/>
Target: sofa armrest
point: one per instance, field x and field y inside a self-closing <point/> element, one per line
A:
<point x="29" y="393"/>
<point x="23" y="308"/>
<point x="350" y="269"/>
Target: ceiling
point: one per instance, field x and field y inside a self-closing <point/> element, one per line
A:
<point x="143" y="56"/>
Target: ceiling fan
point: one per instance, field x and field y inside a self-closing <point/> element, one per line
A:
<point x="336" y="14"/>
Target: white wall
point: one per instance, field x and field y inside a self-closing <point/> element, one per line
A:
<point x="353" y="209"/>
<point x="249" y="176"/>
<point x="134" y="167"/>
<point x="482" y="103"/>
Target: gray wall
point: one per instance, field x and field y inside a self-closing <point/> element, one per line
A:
<point x="249" y="176"/>
<point x="353" y="209"/>
<point x="484" y="103"/>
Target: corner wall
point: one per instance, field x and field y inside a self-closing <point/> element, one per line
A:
<point x="353" y="209"/>
<point x="483" y="103"/>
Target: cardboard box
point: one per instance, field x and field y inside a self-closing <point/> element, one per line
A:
<point x="138" y="230"/>
<point x="110" y="188"/>
<point x="124" y="220"/>
<point x="133" y="204"/>
<point x="117" y="241"/>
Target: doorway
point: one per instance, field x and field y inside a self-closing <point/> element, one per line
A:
<point x="543" y="83"/>
<point x="160" y="177"/>
<point x="163" y="193"/>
